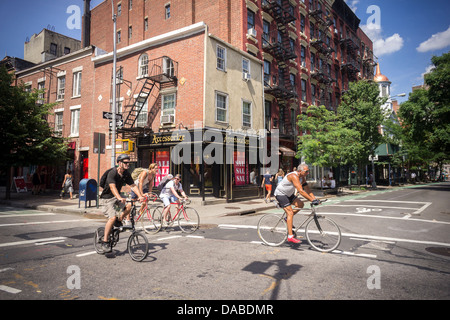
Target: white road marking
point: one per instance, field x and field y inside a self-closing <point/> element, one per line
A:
<point x="17" y="243"/>
<point x="86" y="254"/>
<point x="48" y="242"/>
<point x="2" y="215"/>
<point x="418" y="211"/>
<point x="9" y="289"/>
<point x="45" y="222"/>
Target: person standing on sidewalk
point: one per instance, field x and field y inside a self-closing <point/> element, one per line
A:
<point x="285" y="195"/>
<point x="267" y="182"/>
<point x="67" y="184"/>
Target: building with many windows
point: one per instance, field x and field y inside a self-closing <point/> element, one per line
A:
<point x="187" y="67"/>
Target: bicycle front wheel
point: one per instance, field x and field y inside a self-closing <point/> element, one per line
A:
<point x="98" y="240"/>
<point x="323" y="234"/>
<point x="272" y="229"/>
<point x="188" y="220"/>
<point x="137" y="246"/>
<point x="148" y="224"/>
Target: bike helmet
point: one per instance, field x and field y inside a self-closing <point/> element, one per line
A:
<point x="122" y="157"/>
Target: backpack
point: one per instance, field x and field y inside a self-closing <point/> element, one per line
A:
<point x="103" y="178"/>
<point x="164" y="181"/>
<point x="136" y="173"/>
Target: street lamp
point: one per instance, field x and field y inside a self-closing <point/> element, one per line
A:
<point x="113" y="142"/>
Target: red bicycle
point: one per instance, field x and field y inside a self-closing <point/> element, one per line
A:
<point x="144" y="218"/>
<point x="187" y="217"/>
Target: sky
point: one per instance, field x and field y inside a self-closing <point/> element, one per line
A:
<point x="406" y="33"/>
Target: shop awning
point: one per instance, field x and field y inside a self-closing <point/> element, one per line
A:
<point x="285" y="151"/>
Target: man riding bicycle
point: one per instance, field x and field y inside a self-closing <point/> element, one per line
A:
<point x="116" y="178"/>
<point x="169" y="194"/>
<point x="285" y="195"/>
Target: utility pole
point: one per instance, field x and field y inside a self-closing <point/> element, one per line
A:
<point x="114" y="111"/>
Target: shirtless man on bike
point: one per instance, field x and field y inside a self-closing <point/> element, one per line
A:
<point x="285" y="195"/>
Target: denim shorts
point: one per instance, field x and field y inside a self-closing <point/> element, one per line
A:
<point x="134" y="195"/>
<point x="168" y="200"/>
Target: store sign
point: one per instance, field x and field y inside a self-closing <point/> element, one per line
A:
<point x="173" y="138"/>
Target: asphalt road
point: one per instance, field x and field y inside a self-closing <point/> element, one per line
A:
<point x="396" y="245"/>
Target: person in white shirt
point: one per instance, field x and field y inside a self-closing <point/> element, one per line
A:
<point x="169" y="194"/>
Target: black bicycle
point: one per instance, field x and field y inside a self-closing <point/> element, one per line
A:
<point x="137" y="244"/>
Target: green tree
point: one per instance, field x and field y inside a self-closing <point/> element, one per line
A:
<point x="327" y="142"/>
<point x="360" y="110"/>
<point x="425" y="117"/>
<point x="25" y="135"/>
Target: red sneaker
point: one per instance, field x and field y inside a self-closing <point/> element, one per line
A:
<point x="293" y="240"/>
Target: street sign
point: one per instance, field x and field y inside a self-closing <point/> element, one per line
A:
<point x="119" y="123"/>
<point x="109" y="115"/>
<point x="99" y="142"/>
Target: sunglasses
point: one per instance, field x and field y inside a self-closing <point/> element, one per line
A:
<point x="126" y="162"/>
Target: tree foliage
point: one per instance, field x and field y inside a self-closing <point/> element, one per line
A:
<point x="25" y="135"/>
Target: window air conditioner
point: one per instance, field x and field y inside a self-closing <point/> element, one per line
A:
<point x="252" y="32"/>
<point x="167" y="119"/>
<point x="247" y="76"/>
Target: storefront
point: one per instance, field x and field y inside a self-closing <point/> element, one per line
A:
<point x="218" y="167"/>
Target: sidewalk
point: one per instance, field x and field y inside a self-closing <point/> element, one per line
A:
<point x="217" y="208"/>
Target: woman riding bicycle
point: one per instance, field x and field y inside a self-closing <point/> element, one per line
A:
<point x="145" y="180"/>
<point x="284" y="193"/>
<point x="169" y="194"/>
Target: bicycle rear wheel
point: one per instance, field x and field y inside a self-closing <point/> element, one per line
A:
<point x="137" y="246"/>
<point x="188" y="220"/>
<point x="272" y="229"/>
<point x="148" y="224"/>
<point x="98" y="240"/>
<point x="323" y="234"/>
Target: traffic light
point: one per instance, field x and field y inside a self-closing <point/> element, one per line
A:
<point x="127" y="146"/>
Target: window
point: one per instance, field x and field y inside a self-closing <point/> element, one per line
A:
<point x="245" y="67"/>
<point x="302" y="23"/>
<point x="313" y="61"/>
<point x="58" y="122"/>
<point x="130" y="32"/>
<point x="75" y="121"/>
<point x="66" y="50"/>
<point x="145" y="24"/>
<point x="167" y="11"/>
<point x="119" y="36"/>
<point x="168" y="67"/>
<point x="266" y="73"/>
<point x="313" y="94"/>
<point x="141" y="120"/>
<point x="53" y="48"/>
<point x="221" y="58"/>
<point x="119" y="9"/>
<point x="311" y="30"/>
<point x="168" y="104"/>
<point x="250" y="19"/>
<point x="130" y="4"/>
<point x="268" y="114"/>
<point x="221" y="107"/>
<point x="303" y="56"/>
<point x="61" y="88"/>
<point x="246" y="114"/>
<point x="266" y="32"/>
<point x="41" y="95"/>
<point x="76" y="84"/>
<point x="303" y="90"/>
<point x="292" y="80"/>
<point x="143" y="65"/>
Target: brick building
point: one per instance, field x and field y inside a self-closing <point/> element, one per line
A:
<point x="235" y="66"/>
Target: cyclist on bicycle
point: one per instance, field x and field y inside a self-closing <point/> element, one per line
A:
<point x="145" y="180"/>
<point x="116" y="178"/>
<point x="169" y="194"/>
<point x="285" y="195"/>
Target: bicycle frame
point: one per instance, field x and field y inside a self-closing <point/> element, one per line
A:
<point x="180" y="209"/>
<point x="145" y="207"/>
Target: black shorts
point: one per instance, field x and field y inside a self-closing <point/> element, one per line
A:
<point x="285" y="201"/>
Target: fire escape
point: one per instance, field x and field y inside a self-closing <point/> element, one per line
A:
<point x="161" y="72"/>
<point x="278" y="44"/>
<point x="350" y="64"/>
<point x="322" y="70"/>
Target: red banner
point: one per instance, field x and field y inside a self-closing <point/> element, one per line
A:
<point x="240" y="169"/>
<point x="163" y="162"/>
